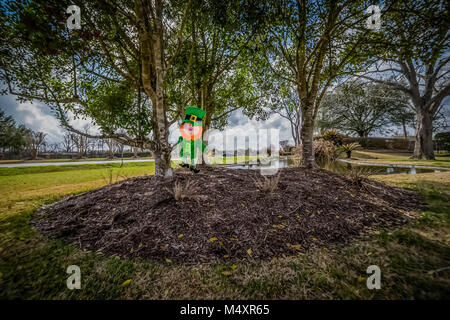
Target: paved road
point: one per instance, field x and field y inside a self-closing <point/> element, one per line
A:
<point x="65" y="163"/>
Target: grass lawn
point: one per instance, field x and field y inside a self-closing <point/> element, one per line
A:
<point x="34" y="267"/>
<point x="214" y="160"/>
<point x="89" y="159"/>
<point x="70" y="160"/>
<point x="396" y="157"/>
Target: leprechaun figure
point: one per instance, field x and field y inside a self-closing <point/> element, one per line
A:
<point x="191" y="137"/>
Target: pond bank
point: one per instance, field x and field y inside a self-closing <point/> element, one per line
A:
<point x="393" y="165"/>
<point x="342" y="166"/>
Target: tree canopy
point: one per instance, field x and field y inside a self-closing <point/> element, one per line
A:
<point x="12" y="136"/>
<point x="361" y="108"/>
<point x="413" y="57"/>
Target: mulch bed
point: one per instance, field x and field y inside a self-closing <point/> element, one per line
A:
<point x="226" y="217"/>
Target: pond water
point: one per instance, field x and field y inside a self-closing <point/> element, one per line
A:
<point x="336" y="166"/>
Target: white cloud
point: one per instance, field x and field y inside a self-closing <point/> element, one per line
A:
<point x="81" y="124"/>
<point x="34" y="118"/>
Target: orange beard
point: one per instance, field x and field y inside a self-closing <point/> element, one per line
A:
<point x="193" y="134"/>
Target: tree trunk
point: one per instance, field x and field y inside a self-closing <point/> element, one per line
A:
<point x="153" y="55"/>
<point x="295" y="133"/>
<point x="423" y="148"/>
<point x="162" y="147"/>
<point x="206" y="126"/>
<point x="33" y="154"/>
<point x="298" y="127"/>
<point x="307" y="129"/>
<point x="405" y="133"/>
<point x="162" y="164"/>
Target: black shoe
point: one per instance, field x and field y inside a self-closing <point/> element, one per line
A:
<point x="194" y="169"/>
<point x="184" y="165"/>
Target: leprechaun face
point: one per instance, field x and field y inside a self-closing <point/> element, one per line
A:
<point x="190" y="132"/>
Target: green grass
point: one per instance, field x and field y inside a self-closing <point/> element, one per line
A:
<point x="20" y="186"/>
<point x="214" y="160"/>
<point x="71" y="167"/>
<point x="34" y="267"/>
<point x="71" y="160"/>
<point x="397" y="157"/>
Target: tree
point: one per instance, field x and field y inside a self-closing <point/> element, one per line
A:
<point x="12" y="137"/>
<point x="34" y="141"/>
<point x="120" y="147"/>
<point x="112" y="145"/>
<point x="402" y="116"/>
<point x="312" y="44"/>
<point x="54" y="147"/>
<point x="415" y="54"/>
<point x="443" y="141"/>
<point x="135" y="152"/>
<point x="99" y="145"/>
<point x="67" y="142"/>
<point x="287" y="104"/>
<point x="120" y="60"/>
<point x="216" y="60"/>
<point x="361" y="108"/>
<point x="81" y="142"/>
<point x="440" y="119"/>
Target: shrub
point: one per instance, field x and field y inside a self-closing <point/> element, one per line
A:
<point x="443" y="141"/>
<point x="368" y="143"/>
<point x="297" y="151"/>
<point x="348" y="148"/>
<point x="333" y="136"/>
<point x="357" y="175"/>
<point x="182" y="191"/>
<point x="323" y="150"/>
<point x="297" y="155"/>
<point x="398" y="144"/>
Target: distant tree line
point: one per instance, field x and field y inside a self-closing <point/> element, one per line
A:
<point x="19" y="141"/>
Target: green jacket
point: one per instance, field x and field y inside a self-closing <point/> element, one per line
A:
<point x="190" y="147"/>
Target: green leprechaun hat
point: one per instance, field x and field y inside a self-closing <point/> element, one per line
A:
<point x="194" y="115"/>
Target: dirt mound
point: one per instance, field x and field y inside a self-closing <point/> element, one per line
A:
<point x="225" y="216"/>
